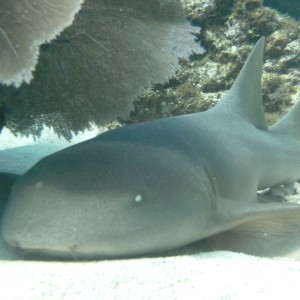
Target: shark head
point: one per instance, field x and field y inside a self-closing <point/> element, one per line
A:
<point x="116" y="194"/>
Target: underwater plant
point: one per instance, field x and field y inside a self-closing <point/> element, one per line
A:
<point x="95" y="68"/>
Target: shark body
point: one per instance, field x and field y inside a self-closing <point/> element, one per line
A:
<point x="156" y="186"/>
<point x="6" y="182"/>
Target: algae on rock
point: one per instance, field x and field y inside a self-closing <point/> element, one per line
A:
<point x="229" y="30"/>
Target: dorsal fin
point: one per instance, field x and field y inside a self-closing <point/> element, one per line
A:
<point x="244" y="97"/>
<point x="290" y="123"/>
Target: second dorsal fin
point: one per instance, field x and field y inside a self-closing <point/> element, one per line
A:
<point x="290" y="123"/>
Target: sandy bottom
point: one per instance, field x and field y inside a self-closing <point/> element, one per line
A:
<point x="216" y="275"/>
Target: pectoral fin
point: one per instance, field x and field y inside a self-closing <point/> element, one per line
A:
<point x="262" y="229"/>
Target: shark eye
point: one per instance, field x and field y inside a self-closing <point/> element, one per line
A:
<point x="138" y="198"/>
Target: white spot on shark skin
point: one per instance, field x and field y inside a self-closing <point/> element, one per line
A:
<point x="39" y="185"/>
<point x="138" y="198"/>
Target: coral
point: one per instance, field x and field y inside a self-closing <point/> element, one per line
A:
<point x="290" y="7"/>
<point x="24" y="26"/>
<point x="228" y="33"/>
<point x="229" y="30"/>
<point x="93" y="71"/>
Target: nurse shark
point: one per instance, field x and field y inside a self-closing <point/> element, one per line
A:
<point x="156" y="186"/>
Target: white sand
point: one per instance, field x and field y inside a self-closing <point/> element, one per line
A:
<point x="215" y="275"/>
<point x="218" y="275"/>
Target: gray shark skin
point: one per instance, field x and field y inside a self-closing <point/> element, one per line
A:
<point x="6" y="182"/>
<point x="160" y="185"/>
